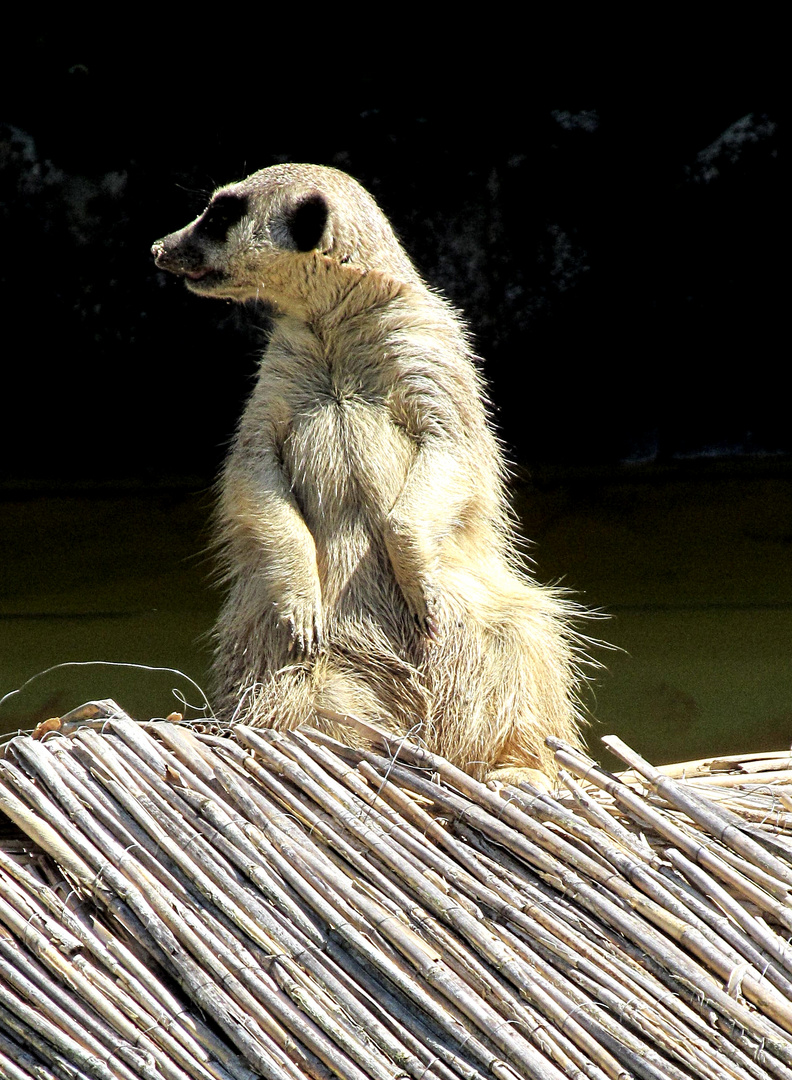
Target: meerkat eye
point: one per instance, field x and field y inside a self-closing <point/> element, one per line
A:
<point x="307" y="220"/>
<point x="221" y="214"/>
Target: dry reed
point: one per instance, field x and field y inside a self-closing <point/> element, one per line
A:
<point x="205" y="903"/>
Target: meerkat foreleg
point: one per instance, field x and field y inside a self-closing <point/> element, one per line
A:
<point x="426" y="511"/>
<point x="271" y="542"/>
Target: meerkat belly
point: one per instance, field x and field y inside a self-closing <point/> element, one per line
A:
<point x="348" y="462"/>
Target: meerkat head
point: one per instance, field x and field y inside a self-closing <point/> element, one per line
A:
<point x="259" y="238"/>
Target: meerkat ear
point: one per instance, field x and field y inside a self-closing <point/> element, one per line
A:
<point x="307" y="221"/>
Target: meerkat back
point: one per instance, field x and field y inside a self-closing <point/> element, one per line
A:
<point x="367" y="547"/>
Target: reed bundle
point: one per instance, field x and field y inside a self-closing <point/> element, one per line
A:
<point x="223" y="904"/>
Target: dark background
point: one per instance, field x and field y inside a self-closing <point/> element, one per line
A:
<point x="615" y="250"/>
<point x="602" y="202"/>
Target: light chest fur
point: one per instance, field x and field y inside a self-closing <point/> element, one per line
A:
<point x="344" y="446"/>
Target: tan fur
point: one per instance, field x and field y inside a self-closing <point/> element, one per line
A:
<point x="368" y="549"/>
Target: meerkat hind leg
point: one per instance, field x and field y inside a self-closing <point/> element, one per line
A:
<point x="504" y="683"/>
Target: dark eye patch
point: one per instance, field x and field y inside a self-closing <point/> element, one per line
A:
<point x="307" y="220"/>
<point x="221" y="214"/>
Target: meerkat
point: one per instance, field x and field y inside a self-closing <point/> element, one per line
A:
<point x="368" y="549"/>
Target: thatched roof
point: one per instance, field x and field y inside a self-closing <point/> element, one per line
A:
<point x="227" y="904"/>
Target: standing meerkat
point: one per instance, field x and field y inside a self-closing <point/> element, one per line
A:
<point x="367" y="544"/>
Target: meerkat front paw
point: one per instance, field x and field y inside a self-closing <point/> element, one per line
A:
<point x="424" y="604"/>
<point x="413" y="566"/>
<point x="302" y="619"/>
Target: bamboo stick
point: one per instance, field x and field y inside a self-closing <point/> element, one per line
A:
<point x="158" y="920"/>
<point x="704" y="814"/>
<point x="559" y="876"/>
<point x="391" y="924"/>
<point x="604" y="960"/>
<point x="322" y="894"/>
<point x="573" y="958"/>
<point x="399" y="835"/>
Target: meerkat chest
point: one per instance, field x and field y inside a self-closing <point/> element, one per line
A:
<point x="344" y="453"/>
